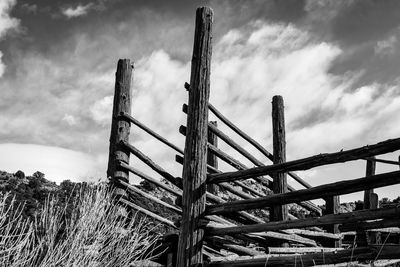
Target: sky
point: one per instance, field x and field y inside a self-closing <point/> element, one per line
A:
<point x="336" y="64"/>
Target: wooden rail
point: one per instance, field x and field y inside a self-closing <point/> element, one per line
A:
<point x="310" y="162"/>
<point x="327" y="190"/>
<point x="350" y="217"/>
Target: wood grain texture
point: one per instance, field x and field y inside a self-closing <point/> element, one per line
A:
<point x="264" y="182"/>
<point x="279" y="212"/>
<point x="246" y="137"/>
<point x="194" y="175"/>
<point x="332" y="205"/>
<point x="349" y="217"/>
<point x="321" y="191"/>
<point x="321" y="258"/>
<point x="211" y="158"/>
<point x="120" y="128"/>
<point x="387" y="146"/>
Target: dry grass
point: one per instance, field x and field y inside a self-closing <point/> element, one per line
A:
<point x="96" y="234"/>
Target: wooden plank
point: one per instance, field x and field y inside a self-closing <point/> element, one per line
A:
<point x="240" y="166"/>
<point x="321" y="258"/>
<point x="279" y="212"/>
<point x="211" y="158"/>
<point x="370" y="225"/>
<point x="151" y="197"/>
<point x="232" y="246"/>
<point x="148" y="213"/>
<point x="387" y="146"/>
<point x="332" y="206"/>
<point x="150" y="131"/>
<point x="310" y="233"/>
<point x="140" y="155"/>
<point x="279" y="250"/>
<point x="263" y="180"/>
<point x="175" y="191"/>
<point x="120" y="128"/>
<point x="322" y="191"/>
<point x="370" y="170"/>
<point x="190" y="245"/>
<point x="254" y="143"/>
<point x="370" y="202"/>
<point x="349" y="217"/>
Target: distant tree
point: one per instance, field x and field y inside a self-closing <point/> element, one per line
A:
<point x="359" y="205"/>
<point x="20" y="174"/>
<point x="38" y="175"/>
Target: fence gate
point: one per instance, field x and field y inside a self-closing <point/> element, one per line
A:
<point x="257" y="228"/>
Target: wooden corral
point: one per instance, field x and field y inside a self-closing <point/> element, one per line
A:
<point x="216" y="232"/>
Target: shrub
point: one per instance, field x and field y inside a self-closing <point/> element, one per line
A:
<point x="96" y="233"/>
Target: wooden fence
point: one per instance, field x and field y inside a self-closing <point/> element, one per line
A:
<point x="257" y="228"/>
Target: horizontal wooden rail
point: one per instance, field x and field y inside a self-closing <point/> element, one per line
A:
<point x="349" y="217"/>
<point x="264" y="181"/>
<point x="362" y="226"/>
<point x="240" y="166"/>
<point x="174" y="180"/>
<point x="310" y="162"/>
<point x="321" y="191"/>
<point x="264" y="238"/>
<point x="279" y="250"/>
<point x="151" y="197"/>
<point x="150" y="131"/>
<point x="321" y="258"/>
<point x="148" y="213"/>
<point x="237" y="164"/>
<point x="175" y="191"/>
<point x="315" y="234"/>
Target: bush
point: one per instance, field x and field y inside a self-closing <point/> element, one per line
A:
<point x="96" y="233"/>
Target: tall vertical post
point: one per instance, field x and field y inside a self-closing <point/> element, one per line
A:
<point x="195" y="161"/>
<point x="279" y="212"/>
<point x="120" y="128"/>
<point x="211" y="158"/>
<point x="371" y="201"/>
<point x="332" y="206"/>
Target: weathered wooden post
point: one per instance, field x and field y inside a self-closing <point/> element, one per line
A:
<point x="211" y="158"/>
<point x="371" y="201"/>
<point x="279" y="212"/>
<point x="332" y="206"/>
<point x="195" y="160"/>
<point x="120" y="128"/>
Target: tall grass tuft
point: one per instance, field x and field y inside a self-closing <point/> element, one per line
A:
<point x="94" y="233"/>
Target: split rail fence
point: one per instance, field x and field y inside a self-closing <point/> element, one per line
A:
<point x="257" y="228"/>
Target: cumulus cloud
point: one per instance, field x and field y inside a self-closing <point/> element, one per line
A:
<point x="77" y="11"/>
<point x="324" y="112"/>
<point x="386" y="46"/>
<point x="7" y="23"/>
<point x="249" y="67"/>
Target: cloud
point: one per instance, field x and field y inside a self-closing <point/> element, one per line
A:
<point x="102" y="109"/>
<point x="78" y="11"/>
<point x="69" y="119"/>
<point x="386" y="46"/>
<point x="7" y="23"/>
<point x="249" y="67"/>
<point x="56" y="163"/>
